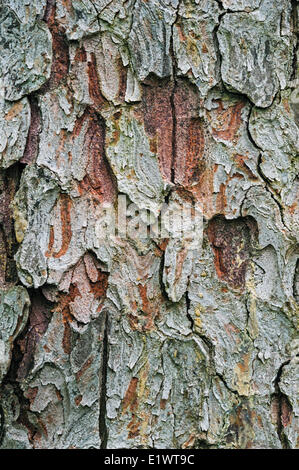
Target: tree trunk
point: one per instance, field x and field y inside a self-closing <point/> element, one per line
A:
<point x="117" y="329"/>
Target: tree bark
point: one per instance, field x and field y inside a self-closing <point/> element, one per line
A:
<point x="141" y="339"/>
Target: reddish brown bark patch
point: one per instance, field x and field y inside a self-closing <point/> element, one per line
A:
<point x="231" y="241"/>
<point x="145" y="310"/>
<point x="94" y="84"/>
<point x="134" y="427"/>
<point x="78" y="399"/>
<point x="9" y="181"/>
<point x="32" y="143"/>
<point x="130" y="398"/>
<point x="60" y="61"/>
<point x="98" y="185"/>
<point x="286" y="412"/>
<point x="241" y="163"/>
<point x="65" y="215"/>
<point x="99" y="181"/>
<point x="24" y="421"/>
<point x="130" y="402"/>
<point x="189" y="136"/>
<point x="31" y="393"/>
<point x="228" y="121"/>
<point x="122" y="71"/>
<point x="66" y="228"/>
<point x="3" y="257"/>
<point x="99" y="173"/>
<point x="281" y="415"/>
<point x="67" y="332"/>
<point x="39" y="318"/>
<point x="86" y="278"/>
<point x="170" y="115"/>
<point x="163" y="402"/>
<point x="156" y="110"/>
<point x="80" y="55"/>
<point x="84" y="368"/>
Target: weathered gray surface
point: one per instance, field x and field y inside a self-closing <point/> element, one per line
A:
<point x="256" y="50"/>
<point x="13" y="316"/>
<point x="138" y="341"/>
<point x="15" y="122"/>
<point x="194" y="43"/>
<point x="25" y="51"/>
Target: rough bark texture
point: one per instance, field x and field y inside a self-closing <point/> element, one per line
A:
<point x="133" y="342"/>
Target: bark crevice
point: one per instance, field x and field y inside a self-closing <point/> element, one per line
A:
<point x="284" y="407"/>
<point x="103" y="430"/>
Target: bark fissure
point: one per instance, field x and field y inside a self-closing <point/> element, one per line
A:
<point x="32" y="143"/>
<point x="2" y="424"/>
<point x="188" y="311"/>
<point x="172" y="102"/>
<point x="283" y="401"/>
<point x="103" y="390"/>
<point x="296" y="44"/>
